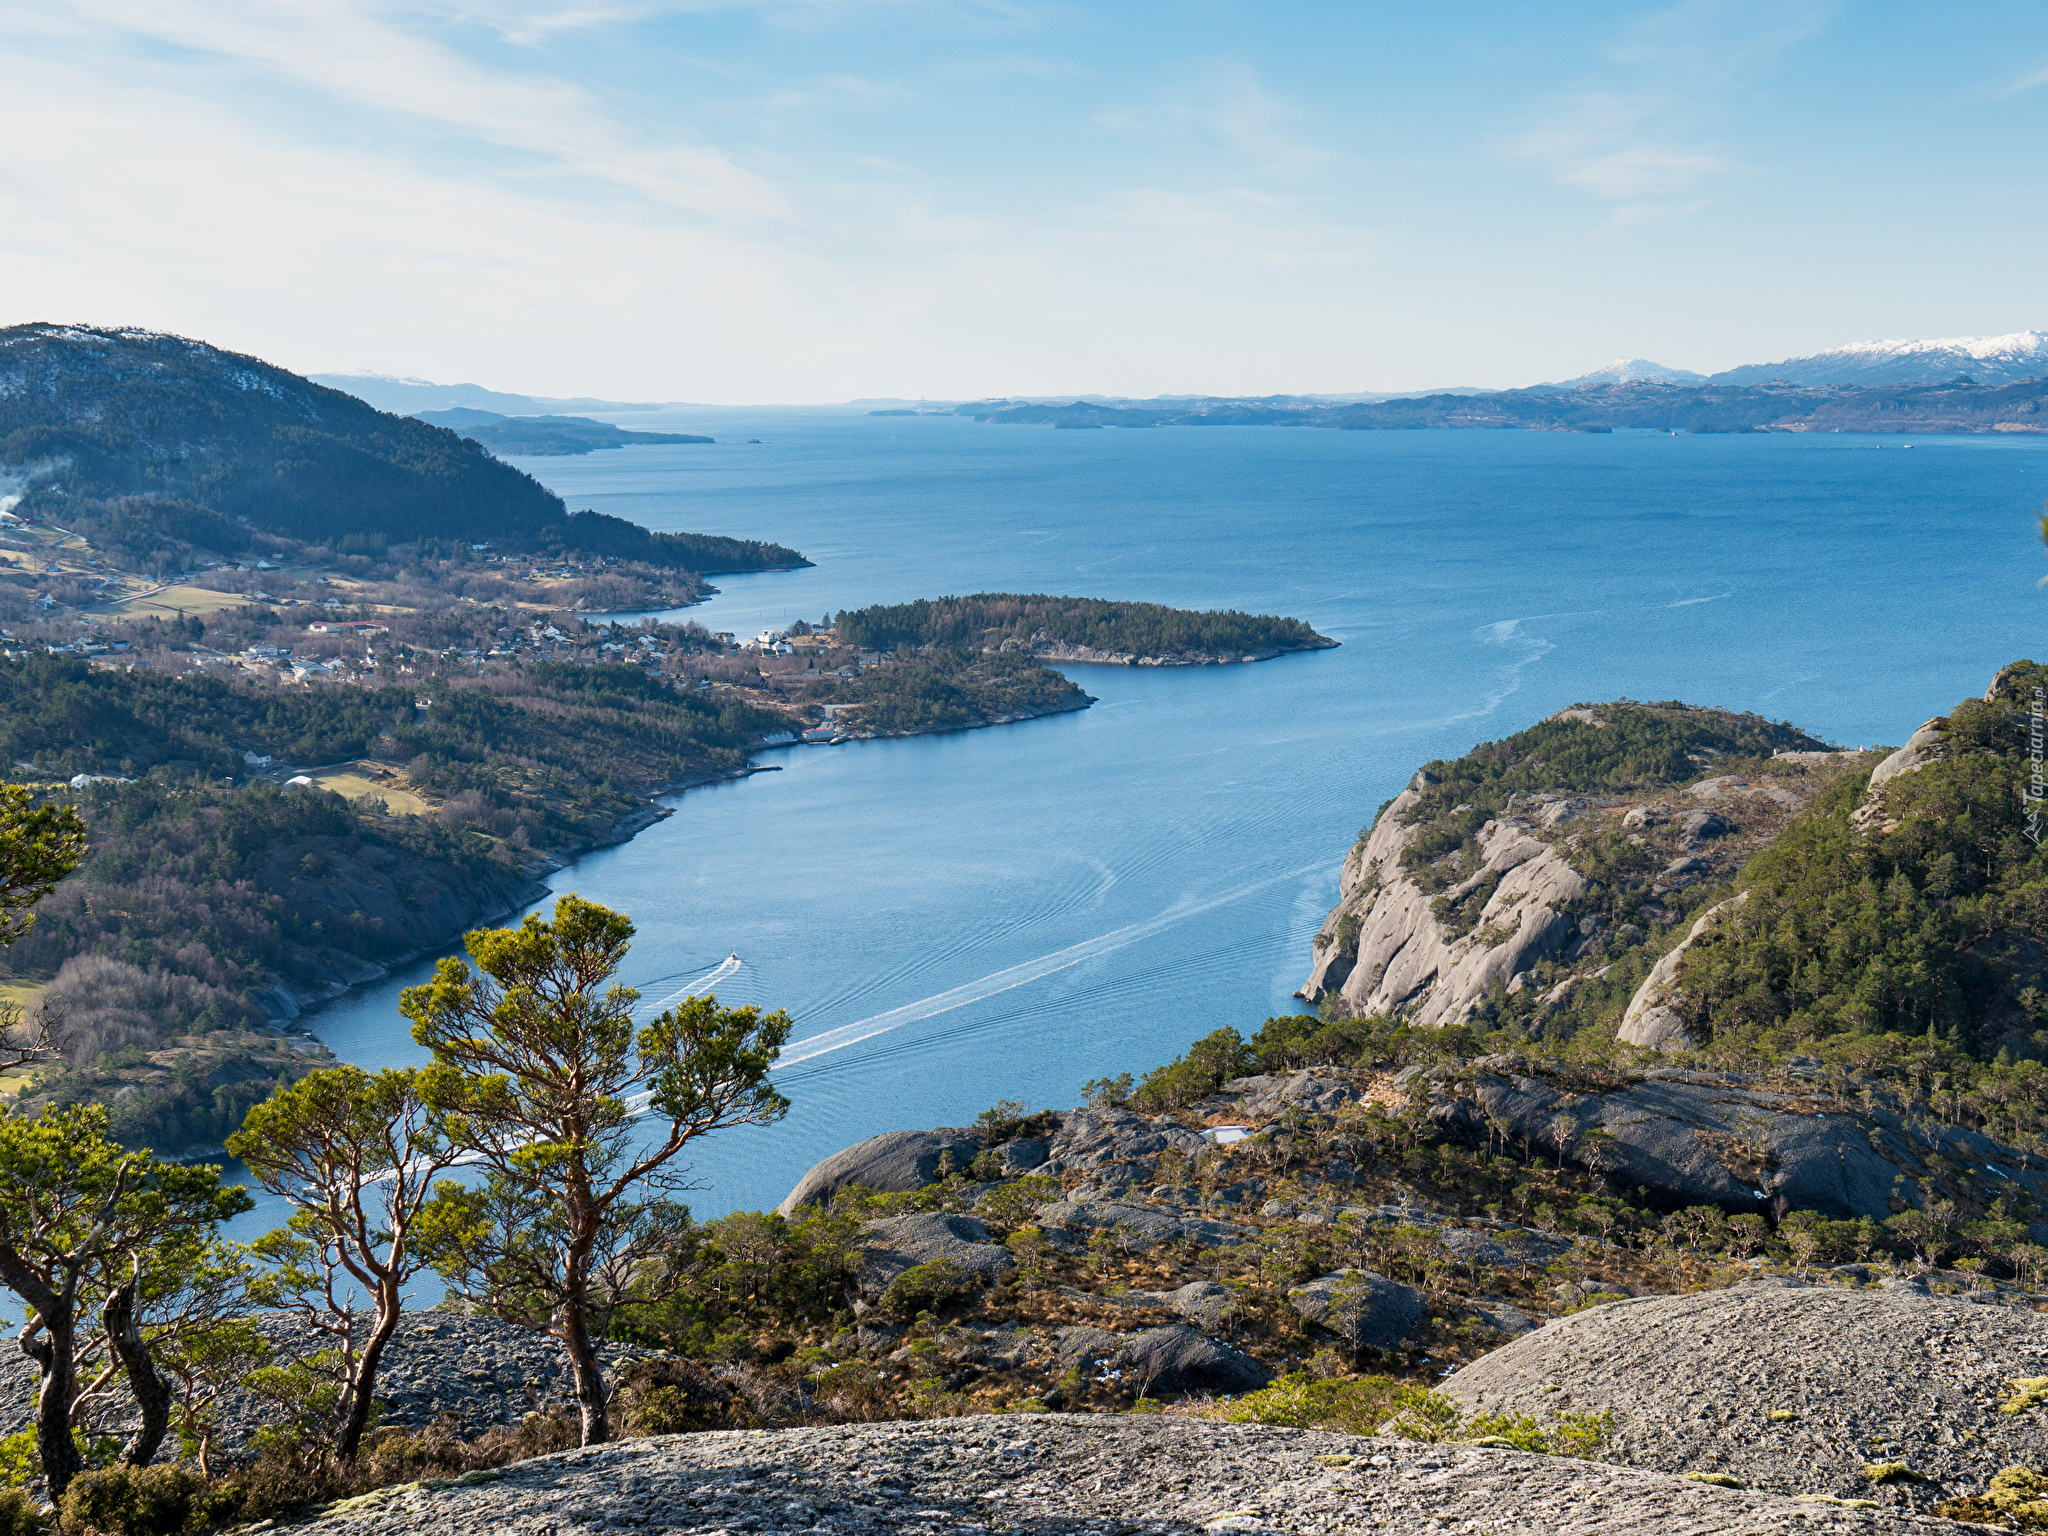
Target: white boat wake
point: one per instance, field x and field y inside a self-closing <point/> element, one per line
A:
<point x="697" y="988"/>
<point x="1017" y="975"/>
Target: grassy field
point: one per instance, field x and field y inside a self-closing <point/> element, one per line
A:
<point x="169" y="602"/>
<point x="353" y="781"/>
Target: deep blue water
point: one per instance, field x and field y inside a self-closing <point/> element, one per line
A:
<point x="1083" y="895"/>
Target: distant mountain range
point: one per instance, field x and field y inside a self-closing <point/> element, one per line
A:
<point x="1972" y="359"/>
<point x="412" y="397"/>
<point x="1975" y="359"/>
<point x="1645" y="405"/>
<point x="1625" y="370"/>
<point x="1980" y="359"/>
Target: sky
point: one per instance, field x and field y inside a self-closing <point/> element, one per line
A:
<point x="815" y="200"/>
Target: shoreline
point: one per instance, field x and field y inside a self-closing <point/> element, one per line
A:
<point x="624" y="830"/>
<point x="1082" y="655"/>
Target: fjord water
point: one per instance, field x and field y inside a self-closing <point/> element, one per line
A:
<point x="1006" y="913"/>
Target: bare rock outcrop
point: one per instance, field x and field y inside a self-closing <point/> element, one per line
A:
<point x="1363" y="1308"/>
<point x="1927" y="745"/>
<point x="1383" y="948"/>
<point x="1171" y="1361"/>
<point x="1055" y="1474"/>
<point x="892" y="1163"/>
<point x="1135" y="1227"/>
<point x="897" y="1243"/>
<point x="1092" y="1138"/>
<point x="1718" y="1138"/>
<point x="1271" y="1095"/>
<point x="1790" y="1388"/>
<point x="1654" y="1019"/>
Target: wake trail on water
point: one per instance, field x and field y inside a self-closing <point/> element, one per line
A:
<point x="916" y="962"/>
<point x="1018" y="975"/>
<point x="703" y="984"/>
<point x="1009" y="1023"/>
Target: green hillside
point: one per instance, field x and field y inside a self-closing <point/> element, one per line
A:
<point x="160" y="441"/>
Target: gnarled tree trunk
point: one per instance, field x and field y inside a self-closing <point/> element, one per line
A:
<point x="152" y="1392"/>
<point x="574" y="1330"/>
<point x="363" y="1383"/>
<point x="47" y="1340"/>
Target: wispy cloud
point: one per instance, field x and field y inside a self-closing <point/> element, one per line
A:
<point x="349" y="51"/>
<point x="1646" y="130"/>
<point x="1634" y="215"/>
<point x="1233" y="110"/>
<point x="2026" y="82"/>
<point x="1639" y="170"/>
<point x="1230" y="230"/>
<point x="836" y="91"/>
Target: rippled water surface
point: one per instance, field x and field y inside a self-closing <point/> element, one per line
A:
<point x="1009" y="912"/>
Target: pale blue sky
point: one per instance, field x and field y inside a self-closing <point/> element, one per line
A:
<point x="813" y="201"/>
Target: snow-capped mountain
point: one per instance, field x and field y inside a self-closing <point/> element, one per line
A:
<point x="1980" y="359"/>
<point x="1633" y="370"/>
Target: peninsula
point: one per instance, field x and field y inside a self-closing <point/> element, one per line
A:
<point x="544" y="436"/>
<point x="1080" y="629"/>
<point x="290" y="795"/>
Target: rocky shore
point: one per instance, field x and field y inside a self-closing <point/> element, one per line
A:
<point x="1053" y="650"/>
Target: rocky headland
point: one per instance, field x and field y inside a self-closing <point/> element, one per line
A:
<point x="1496" y="876"/>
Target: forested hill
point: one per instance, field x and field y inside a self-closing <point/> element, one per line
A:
<point x="133" y="426"/>
<point x="1063" y="627"/>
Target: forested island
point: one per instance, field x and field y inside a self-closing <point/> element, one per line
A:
<point x="1078" y="629"/>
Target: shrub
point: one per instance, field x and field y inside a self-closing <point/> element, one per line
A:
<point x="1365" y="1405"/>
<point x="1356" y="1405"/>
<point x="671" y="1397"/>
<point x="154" y="1501"/>
<point x="1210" y="1063"/>
<point x="1014" y="1204"/>
<point x="19" y="1515"/>
<point x="925" y="1287"/>
<point x="1107" y="1092"/>
<point x="1007" y="1119"/>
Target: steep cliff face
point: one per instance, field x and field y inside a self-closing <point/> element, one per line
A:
<point x="1655" y="1018"/>
<point x="1385" y="948"/>
<point x="1538" y="860"/>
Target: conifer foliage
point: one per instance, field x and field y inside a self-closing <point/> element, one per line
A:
<point x="576" y="1114"/>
